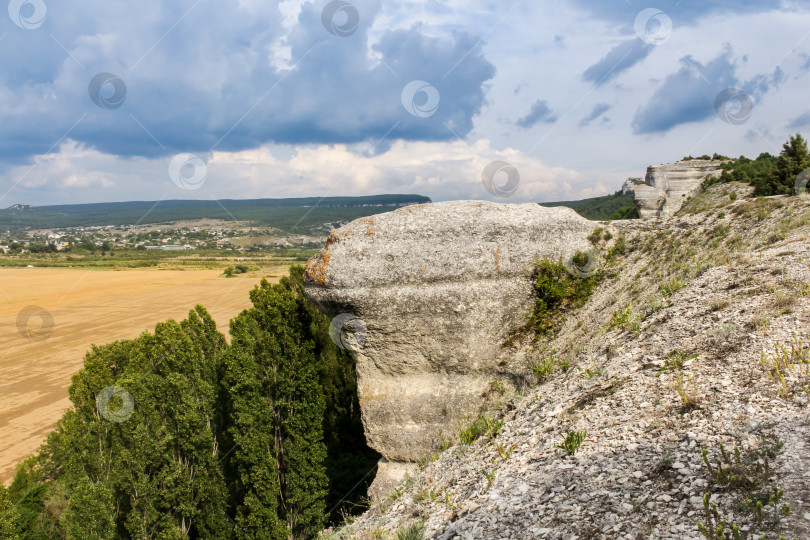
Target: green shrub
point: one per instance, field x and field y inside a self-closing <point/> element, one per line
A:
<point x="481" y="426"/>
<point x="548" y="365"/>
<point x="415" y="531"/>
<point x="573" y="440"/>
<point x="619" y="248"/>
<point x="558" y="291"/>
<point x="749" y="474"/>
<point x="593" y="372"/>
<point x="670" y="287"/>
<point x="581" y="259"/>
<point x="687" y="393"/>
<point x="621" y="316"/>
<point x="674" y="361"/>
<point x="732" y="471"/>
<point x="543" y="369"/>
<point x="623" y="319"/>
<point x="788" y="366"/>
<point x="596" y="236"/>
<point x="496" y="387"/>
<point x="716" y="527"/>
<point x="490" y="476"/>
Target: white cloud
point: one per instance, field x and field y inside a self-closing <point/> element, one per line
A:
<point x="441" y="170"/>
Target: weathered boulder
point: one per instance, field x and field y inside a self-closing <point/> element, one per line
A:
<point x="631" y="184"/>
<point x="669" y="186"/>
<point x="432" y="292"/>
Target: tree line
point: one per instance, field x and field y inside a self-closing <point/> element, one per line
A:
<point x="177" y="434"/>
<point x="769" y="174"/>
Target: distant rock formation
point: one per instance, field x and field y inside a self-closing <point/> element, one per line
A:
<point x="667" y="187"/>
<point x="432" y="292"/>
<point x="20" y="207"/>
<point x="631" y="184"/>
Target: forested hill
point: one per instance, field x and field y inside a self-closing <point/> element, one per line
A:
<point x="294" y="214"/>
<point x="616" y="206"/>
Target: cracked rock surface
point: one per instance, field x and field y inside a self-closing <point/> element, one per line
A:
<point x="435" y="290"/>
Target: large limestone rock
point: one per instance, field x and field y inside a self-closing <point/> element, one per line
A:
<point x="426" y="296"/>
<point x="667" y="187"/>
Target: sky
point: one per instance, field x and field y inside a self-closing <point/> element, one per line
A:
<point x="510" y="101"/>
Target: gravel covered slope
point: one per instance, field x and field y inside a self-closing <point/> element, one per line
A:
<point x="692" y="304"/>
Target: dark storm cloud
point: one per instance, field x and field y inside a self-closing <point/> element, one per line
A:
<point x="620" y="58"/>
<point x="689" y="94"/>
<point x="202" y="76"/>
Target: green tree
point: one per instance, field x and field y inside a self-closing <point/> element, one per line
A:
<point x="37" y="500"/>
<point x="793" y="159"/>
<point x="625" y="212"/>
<point x="90" y="513"/>
<point x="266" y="431"/>
<point x="8" y="515"/>
<point x="155" y="452"/>
<point x="350" y="461"/>
<point x="276" y="409"/>
<point x="772" y="175"/>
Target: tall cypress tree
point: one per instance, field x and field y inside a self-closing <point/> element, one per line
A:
<point x="350" y="462"/>
<point x="275" y="413"/>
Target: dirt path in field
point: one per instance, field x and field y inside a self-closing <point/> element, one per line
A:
<point x="87" y="307"/>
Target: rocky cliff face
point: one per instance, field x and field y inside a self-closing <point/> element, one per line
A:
<point x="697" y="336"/>
<point x="433" y="292"/>
<point x="667" y="187"/>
